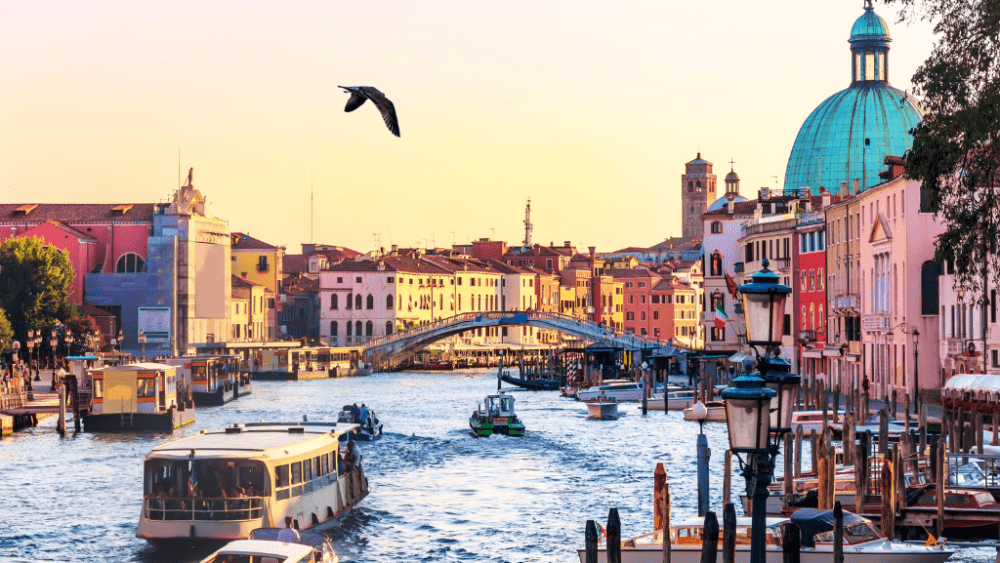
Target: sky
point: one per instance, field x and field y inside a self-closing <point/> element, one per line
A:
<point x="588" y="108"/>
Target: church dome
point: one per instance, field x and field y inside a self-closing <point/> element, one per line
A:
<point x="723" y="201"/>
<point x="849" y="135"/>
<point x="732" y="177"/>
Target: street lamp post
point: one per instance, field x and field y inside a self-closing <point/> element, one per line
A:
<point x="700" y="413"/>
<point x="916" y="374"/>
<point x="757" y="422"/>
<point x="16" y="346"/>
<point x="53" y="341"/>
<point x="142" y="344"/>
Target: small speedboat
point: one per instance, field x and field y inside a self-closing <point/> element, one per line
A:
<point x="369" y="426"/>
<point x="620" y="390"/>
<point x="263" y="546"/>
<point x="862" y="542"/>
<point x="674" y="399"/>
<point x="716" y="412"/>
<point x="602" y="408"/>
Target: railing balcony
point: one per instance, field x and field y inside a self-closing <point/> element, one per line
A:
<point x="807" y="335"/>
<point x="848" y="301"/>
<point x="782" y="263"/>
<point x="248" y="508"/>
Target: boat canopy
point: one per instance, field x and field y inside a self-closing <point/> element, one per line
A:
<point x="812" y="521"/>
<point x="313" y="539"/>
<point x="973" y="382"/>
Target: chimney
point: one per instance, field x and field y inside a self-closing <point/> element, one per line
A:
<point x="826" y="197"/>
<point x="395" y="248"/>
<point x="844" y="192"/>
<point x="730" y="203"/>
<point x="566" y="244"/>
<point x="857" y="187"/>
<point x="592" y="249"/>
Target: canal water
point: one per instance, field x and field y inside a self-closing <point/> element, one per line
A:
<point x="438" y="494"/>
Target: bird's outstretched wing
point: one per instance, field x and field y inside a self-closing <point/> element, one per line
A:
<point x="385" y="107"/>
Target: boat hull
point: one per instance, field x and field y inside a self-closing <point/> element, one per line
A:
<point x="602" y="410"/>
<point x="163" y="421"/>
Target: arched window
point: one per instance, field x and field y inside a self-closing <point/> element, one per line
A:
<point x="350" y="301"/>
<point x="812" y="315"/>
<point x="812" y="280"/>
<point x="333" y="301"/>
<point x="821" y="320"/>
<point x="347" y="325"/>
<point x="805" y="281"/>
<point x="357" y="327"/>
<point x="370" y="301"/>
<point x="369" y="328"/>
<point x="716" y="227"/>
<point x="388" y="301"/>
<point x="698" y="185"/>
<point x="333" y="330"/>
<point x="716" y="264"/>
<point x="130" y="263"/>
<point x="388" y="328"/>
<point x="690" y="187"/>
<point x="357" y="301"/>
<point x="805" y="321"/>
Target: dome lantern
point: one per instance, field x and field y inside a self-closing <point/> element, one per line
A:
<point x="869" y="47"/>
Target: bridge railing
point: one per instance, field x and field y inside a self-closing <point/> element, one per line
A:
<point x="599" y="330"/>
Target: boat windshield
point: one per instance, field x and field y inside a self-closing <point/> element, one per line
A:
<point x="692" y="535"/>
<point x="858" y="533"/>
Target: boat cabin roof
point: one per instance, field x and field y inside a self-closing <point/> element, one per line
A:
<point x="812" y="521"/>
<point x="141" y="366"/>
<point x="282" y="551"/>
<point x="272" y="440"/>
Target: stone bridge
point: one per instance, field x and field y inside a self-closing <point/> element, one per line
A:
<point x="387" y="351"/>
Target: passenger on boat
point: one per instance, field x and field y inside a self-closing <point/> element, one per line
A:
<point x="355" y="413"/>
<point x="363" y="416"/>
<point x="288" y="534"/>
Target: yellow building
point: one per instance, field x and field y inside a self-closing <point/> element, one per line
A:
<point x="249" y="311"/>
<point x="262" y="264"/>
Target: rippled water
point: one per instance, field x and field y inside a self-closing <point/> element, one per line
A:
<point x="438" y="494"/>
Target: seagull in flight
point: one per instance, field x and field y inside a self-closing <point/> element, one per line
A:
<point x="361" y="93"/>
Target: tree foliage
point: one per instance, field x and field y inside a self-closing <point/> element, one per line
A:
<point x="34" y="283"/>
<point x="6" y="331"/>
<point x="955" y="152"/>
<point x="85" y="331"/>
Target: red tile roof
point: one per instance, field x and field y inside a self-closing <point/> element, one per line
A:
<point x="75" y="213"/>
<point x="243" y="282"/>
<point x="243" y="241"/>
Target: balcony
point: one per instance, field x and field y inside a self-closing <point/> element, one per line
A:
<point x="807" y="336"/>
<point x="782" y="264"/>
<point x="846" y="302"/>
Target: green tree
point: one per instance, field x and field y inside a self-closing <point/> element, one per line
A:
<point x="6" y="331"/>
<point x="87" y="335"/>
<point x="955" y="152"/>
<point x="34" y="283"/>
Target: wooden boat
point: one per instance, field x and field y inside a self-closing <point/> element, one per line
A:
<point x="496" y="416"/>
<point x="220" y="486"/>
<point x="136" y="397"/>
<point x="862" y="542"/>
<point x="813" y="420"/>
<point x="602" y="408"/>
<point x="568" y="391"/>
<point x="716" y="412"/>
<point x="532" y="384"/>
<point x="369" y="427"/>
<point x="674" y="399"/>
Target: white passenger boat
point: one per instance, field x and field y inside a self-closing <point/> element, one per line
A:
<point x="620" y="390"/>
<point x="222" y="485"/>
<point x="862" y="542"/>
<point x="602" y="408"/>
<point x="674" y="399"/>
<point x="266" y="551"/>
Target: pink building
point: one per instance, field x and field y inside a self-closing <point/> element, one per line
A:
<point x="100" y="238"/>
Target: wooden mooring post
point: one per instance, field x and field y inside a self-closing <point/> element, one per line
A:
<point x="614" y="543"/>
<point x="838" y="533"/>
<point x="659" y="498"/>
<point x="791" y="544"/>
<point x="710" y="539"/>
<point x="666" y="522"/>
<point x="591" y="539"/>
<point x="727" y="478"/>
<point x="729" y="533"/>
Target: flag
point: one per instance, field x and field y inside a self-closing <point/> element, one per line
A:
<point x="602" y="530"/>
<point x="720" y="316"/>
<point x="731" y="285"/>
<point x="931" y="540"/>
<point x="192" y="484"/>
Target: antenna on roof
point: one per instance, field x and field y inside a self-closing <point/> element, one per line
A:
<point x="311" y="212"/>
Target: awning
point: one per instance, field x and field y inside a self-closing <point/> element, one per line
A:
<point x="739" y="357"/>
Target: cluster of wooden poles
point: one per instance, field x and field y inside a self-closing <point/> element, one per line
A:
<point x="791" y="539"/>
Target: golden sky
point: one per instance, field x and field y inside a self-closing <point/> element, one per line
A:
<point x="589" y="108"/>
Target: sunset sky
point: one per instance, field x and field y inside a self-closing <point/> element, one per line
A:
<point x="589" y="108"/>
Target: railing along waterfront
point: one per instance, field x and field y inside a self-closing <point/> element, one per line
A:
<point x="203" y="508"/>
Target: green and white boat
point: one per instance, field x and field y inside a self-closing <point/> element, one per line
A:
<point x="496" y="416"/>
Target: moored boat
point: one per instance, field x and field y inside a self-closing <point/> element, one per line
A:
<point x="602" y="408"/>
<point x="620" y="390"/>
<point x="220" y="486"/>
<point x="672" y="400"/>
<point x="716" y="412"/>
<point x="139" y="396"/>
<point x="862" y="542"/>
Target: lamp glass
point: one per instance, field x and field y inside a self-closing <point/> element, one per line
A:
<point x="765" y="315"/>
<point x="749" y="421"/>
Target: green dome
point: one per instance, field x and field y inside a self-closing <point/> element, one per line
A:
<point x="849" y="135"/>
<point x="869" y="26"/>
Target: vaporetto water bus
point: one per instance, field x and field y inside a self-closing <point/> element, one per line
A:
<point x="221" y="485"/>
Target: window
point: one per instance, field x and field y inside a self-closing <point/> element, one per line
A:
<point x="349" y="301"/>
<point x="819" y="280"/>
<point x="130" y="264"/>
<point x="716" y="264"/>
<point x="370" y="302"/>
<point x="262" y="263"/>
<point x="388" y="328"/>
<point x="357" y="301"/>
<point x="390" y="279"/>
<point x="333" y="301"/>
<point x="358" y="280"/>
<point x="716" y="227"/>
<point x="357" y="328"/>
<point x="369" y="328"/>
<point x="388" y="301"/>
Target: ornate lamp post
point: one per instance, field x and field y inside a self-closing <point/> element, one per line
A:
<point x="916" y="378"/>
<point x="69" y="343"/>
<point x="142" y="344"/>
<point x="759" y="406"/>
<point x="16" y="346"/>
<point x="700" y="413"/>
<point x="53" y="341"/>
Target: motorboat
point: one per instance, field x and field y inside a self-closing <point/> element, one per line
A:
<point x="602" y="408"/>
<point x="813" y="420"/>
<point x="716" y="412"/>
<point x="322" y="547"/>
<point x="219" y="486"/>
<point x="863" y="543"/>
<point x="369" y="427"/>
<point x="270" y="551"/>
<point x="495" y="415"/>
<point x="620" y="390"/>
<point x="674" y="399"/>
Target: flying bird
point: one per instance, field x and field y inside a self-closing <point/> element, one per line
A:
<point x="361" y="93"/>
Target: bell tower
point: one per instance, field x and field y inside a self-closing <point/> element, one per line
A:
<point x="697" y="192"/>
